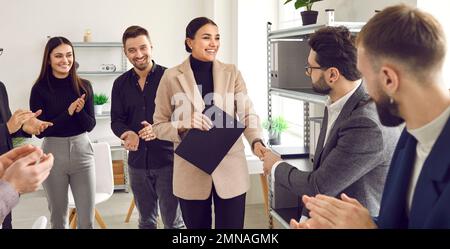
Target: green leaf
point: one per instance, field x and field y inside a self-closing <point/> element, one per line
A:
<point x="303" y="3"/>
<point x="278" y="125"/>
<point x="300" y="3"/>
<point x="100" y="99"/>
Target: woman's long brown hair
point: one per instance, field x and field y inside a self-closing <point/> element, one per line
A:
<point x="46" y="68"/>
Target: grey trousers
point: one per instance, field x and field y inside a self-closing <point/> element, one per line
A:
<point x="152" y="187"/>
<point x="74" y="165"/>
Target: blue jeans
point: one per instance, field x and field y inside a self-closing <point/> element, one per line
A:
<point x="149" y="187"/>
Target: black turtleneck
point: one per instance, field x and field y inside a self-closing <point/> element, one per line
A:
<point x="204" y="78"/>
<point x="54" y="97"/>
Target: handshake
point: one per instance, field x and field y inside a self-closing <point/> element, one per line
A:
<point x="266" y="155"/>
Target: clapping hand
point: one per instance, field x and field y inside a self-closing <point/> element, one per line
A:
<point x="77" y="105"/>
<point x="330" y="212"/>
<point x="130" y="140"/>
<point x="18" y="118"/>
<point x="35" y="126"/>
<point x="147" y="133"/>
<point x="81" y="101"/>
<point x="25" y="168"/>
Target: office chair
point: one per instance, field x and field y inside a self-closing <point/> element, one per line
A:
<point x="40" y="223"/>
<point x="104" y="182"/>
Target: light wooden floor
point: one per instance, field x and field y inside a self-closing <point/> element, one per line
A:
<point x="33" y="205"/>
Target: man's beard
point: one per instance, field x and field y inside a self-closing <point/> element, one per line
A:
<point x="388" y="112"/>
<point x="321" y="86"/>
<point x="141" y="66"/>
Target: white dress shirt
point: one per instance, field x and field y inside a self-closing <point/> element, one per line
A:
<point x="426" y="137"/>
<point x="334" y="109"/>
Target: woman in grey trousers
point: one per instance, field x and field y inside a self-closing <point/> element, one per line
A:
<point x="66" y="100"/>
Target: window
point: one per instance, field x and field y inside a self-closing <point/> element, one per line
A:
<point x="439" y="9"/>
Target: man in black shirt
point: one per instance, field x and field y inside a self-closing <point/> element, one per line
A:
<point x="150" y="160"/>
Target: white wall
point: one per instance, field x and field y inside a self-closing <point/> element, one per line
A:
<point x="27" y="23"/>
<point x="252" y="17"/>
<point x="223" y="12"/>
<point x="251" y="56"/>
<point x="439" y="9"/>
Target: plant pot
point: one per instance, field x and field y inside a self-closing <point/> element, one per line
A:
<point x="19" y="141"/>
<point x="98" y="109"/>
<point x="274" y="138"/>
<point x="309" y="17"/>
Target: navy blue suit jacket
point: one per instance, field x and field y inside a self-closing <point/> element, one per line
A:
<point x="431" y="201"/>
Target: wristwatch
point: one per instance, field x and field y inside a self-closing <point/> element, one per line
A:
<point x="257" y="140"/>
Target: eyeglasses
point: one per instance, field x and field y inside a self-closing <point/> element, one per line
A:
<point x="309" y="69"/>
<point x="1" y="51"/>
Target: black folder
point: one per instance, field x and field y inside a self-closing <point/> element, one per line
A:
<point x="206" y="149"/>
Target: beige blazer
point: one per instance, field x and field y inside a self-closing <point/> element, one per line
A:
<point x="231" y="177"/>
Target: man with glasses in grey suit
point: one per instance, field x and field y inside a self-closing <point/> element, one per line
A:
<point x="353" y="151"/>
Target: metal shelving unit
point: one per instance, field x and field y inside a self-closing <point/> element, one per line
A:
<point x="97" y="44"/>
<point x="93" y="45"/>
<point x="301" y="32"/>
<point x="299" y="94"/>
<point x="124" y="152"/>
<point x="120" y="69"/>
<point x="99" y="73"/>
<point x="297" y="34"/>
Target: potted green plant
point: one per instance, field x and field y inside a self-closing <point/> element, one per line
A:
<point x="99" y="101"/>
<point x="275" y="127"/>
<point x="309" y="16"/>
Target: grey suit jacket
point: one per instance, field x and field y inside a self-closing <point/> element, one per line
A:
<point x="354" y="160"/>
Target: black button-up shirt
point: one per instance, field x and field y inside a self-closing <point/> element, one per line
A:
<point x="129" y="107"/>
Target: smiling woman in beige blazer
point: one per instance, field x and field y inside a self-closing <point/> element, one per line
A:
<point x="196" y="84"/>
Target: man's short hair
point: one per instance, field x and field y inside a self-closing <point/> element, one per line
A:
<point x="407" y="35"/>
<point x="335" y="47"/>
<point x="133" y="32"/>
